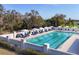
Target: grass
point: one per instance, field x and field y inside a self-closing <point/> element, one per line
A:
<point x="30" y="51"/>
<point x="6" y="49"/>
<point x="6" y="52"/>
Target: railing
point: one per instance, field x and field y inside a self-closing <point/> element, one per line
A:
<point x="45" y="49"/>
<point x="32" y="46"/>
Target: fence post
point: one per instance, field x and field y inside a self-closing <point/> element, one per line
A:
<point x="23" y="43"/>
<point x="7" y="37"/>
<point x="14" y="34"/>
<point x="46" y="47"/>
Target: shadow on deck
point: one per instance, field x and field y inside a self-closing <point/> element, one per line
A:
<point x="74" y="47"/>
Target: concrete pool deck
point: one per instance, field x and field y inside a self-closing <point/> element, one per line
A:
<point x="66" y="45"/>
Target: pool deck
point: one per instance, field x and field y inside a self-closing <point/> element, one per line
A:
<point x="33" y="36"/>
<point x="66" y="45"/>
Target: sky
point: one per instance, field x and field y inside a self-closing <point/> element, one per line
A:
<point x="47" y="10"/>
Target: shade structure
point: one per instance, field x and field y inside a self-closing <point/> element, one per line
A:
<point x="41" y="28"/>
<point x="66" y="26"/>
<point x="46" y="29"/>
<point x="23" y="33"/>
<point x="49" y="27"/>
<point x="35" y="29"/>
<point x="59" y="26"/>
<point x="75" y="27"/>
<point x="24" y="30"/>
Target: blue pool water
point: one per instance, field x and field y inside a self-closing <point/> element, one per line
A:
<point x="55" y="39"/>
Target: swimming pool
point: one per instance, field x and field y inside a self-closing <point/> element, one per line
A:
<point x="55" y="39"/>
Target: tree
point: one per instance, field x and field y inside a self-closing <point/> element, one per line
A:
<point x="49" y="22"/>
<point x="11" y="20"/>
<point x="33" y="19"/>
<point x="57" y="20"/>
<point x="70" y="22"/>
